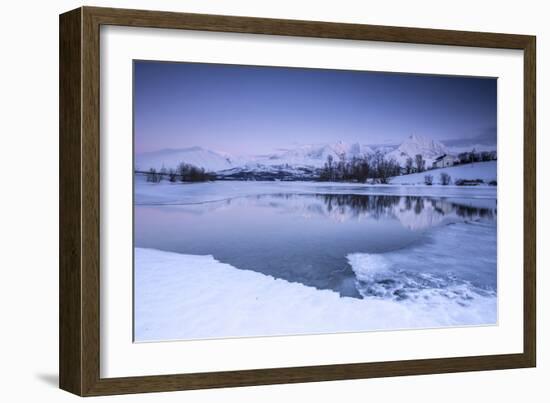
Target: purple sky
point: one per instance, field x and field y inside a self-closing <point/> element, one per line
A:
<point x="256" y="110"/>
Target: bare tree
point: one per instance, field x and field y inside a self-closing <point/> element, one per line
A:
<point x="428" y="180"/>
<point x="387" y="169"/>
<point x="474" y="156"/>
<point x="330" y="167"/>
<point x="342" y="171"/>
<point x="191" y="173"/>
<point x="327" y="172"/>
<point x="485" y="156"/>
<point x="172" y="176"/>
<point x="153" y="176"/>
<point x="183" y="169"/>
<point x="420" y="163"/>
<point x="445" y="178"/>
<point x="409" y="165"/>
<point x="363" y="169"/>
<point x="464" y="157"/>
<point x="162" y="173"/>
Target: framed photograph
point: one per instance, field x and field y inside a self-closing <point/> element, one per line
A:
<point x="248" y="201"/>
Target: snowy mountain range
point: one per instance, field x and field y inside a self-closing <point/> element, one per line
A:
<point x="306" y="156"/>
<point x="302" y="160"/>
<point x="313" y="155"/>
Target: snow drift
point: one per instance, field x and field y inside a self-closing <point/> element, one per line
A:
<point x="192" y="297"/>
<point x="486" y="171"/>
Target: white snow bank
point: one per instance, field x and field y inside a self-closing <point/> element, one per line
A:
<point x="486" y="171"/>
<point x="426" y="272"/>
<point x="192" y="297"/>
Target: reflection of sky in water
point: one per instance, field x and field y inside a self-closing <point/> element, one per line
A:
<point x="306" y="238"/>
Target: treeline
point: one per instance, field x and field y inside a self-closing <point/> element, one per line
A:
<point x="474" y="156"/>
<point x="184" y="173"/>
<point x="360" y="169"/>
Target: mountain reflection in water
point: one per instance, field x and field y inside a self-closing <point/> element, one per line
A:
<point x="306" y="238"/>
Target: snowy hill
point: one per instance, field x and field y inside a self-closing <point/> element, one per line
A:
<point x="171" y="158"/>
<point x="486" y="171"/>
<point x="413" y="145"/>
<point x="314" y="155"/>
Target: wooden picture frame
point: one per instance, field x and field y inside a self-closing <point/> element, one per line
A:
<point x="79" y="348"/>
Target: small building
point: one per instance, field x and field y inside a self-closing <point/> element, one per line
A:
<point x="443" y="161"/>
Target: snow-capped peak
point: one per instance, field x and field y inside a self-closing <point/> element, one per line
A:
<point x="414" y="144"/>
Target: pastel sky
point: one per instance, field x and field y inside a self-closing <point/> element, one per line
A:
<point x="256" y="110"/>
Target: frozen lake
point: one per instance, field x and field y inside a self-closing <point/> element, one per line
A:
<point x="235" y="259"/>
<point x="358" y="244"/>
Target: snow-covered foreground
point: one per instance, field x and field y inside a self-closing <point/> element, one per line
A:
<point x="166" y="193"/>
<point x="486" y="171"/>
<point x="190" y="297"/>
